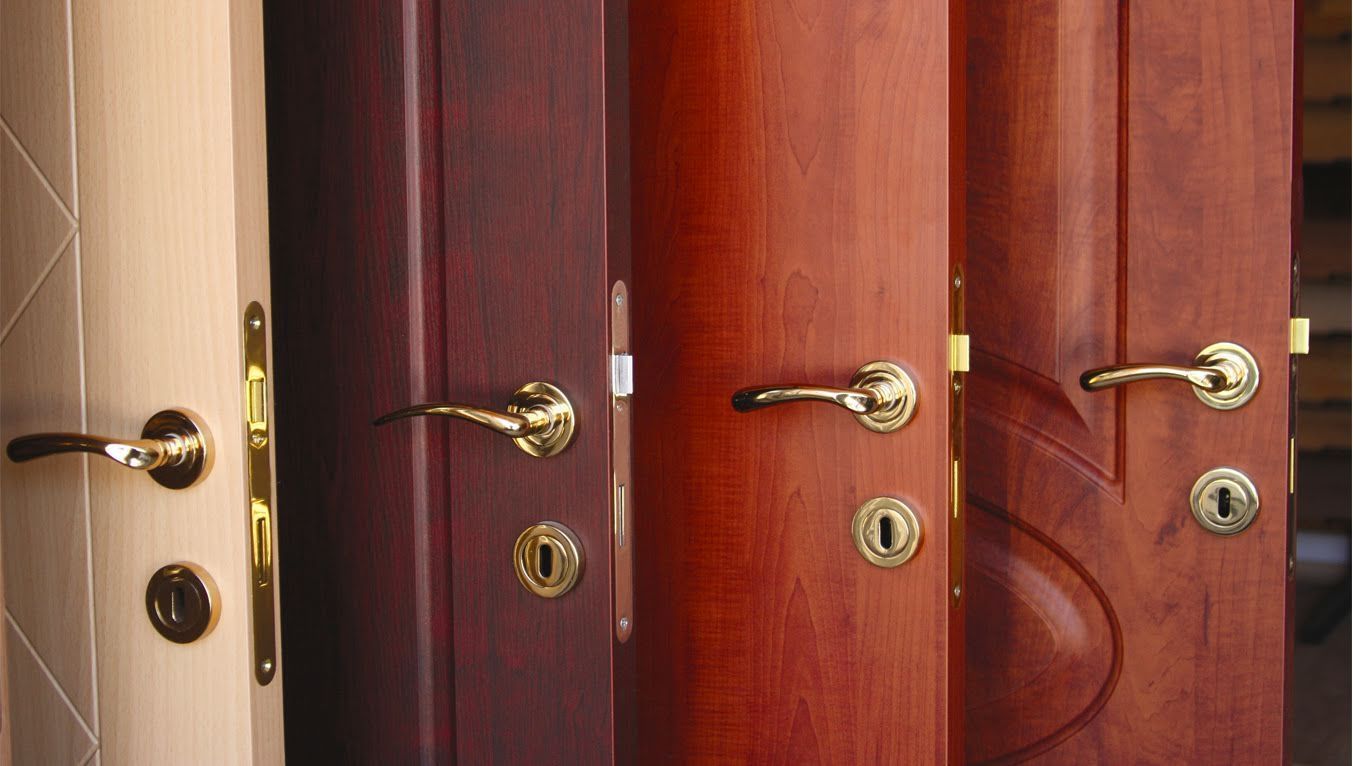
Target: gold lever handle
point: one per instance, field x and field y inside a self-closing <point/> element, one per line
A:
<point x="175" y="448"/>
<point x="882" y="396"/>
<point x="539" y="418"/>
<point x="1225" y="375"/>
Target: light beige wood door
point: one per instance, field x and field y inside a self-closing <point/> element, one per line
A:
<point x="133" y="234"/>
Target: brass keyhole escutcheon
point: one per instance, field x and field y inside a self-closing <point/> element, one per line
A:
<point x="182" y="602"/>
<point x="886" y="532"/>
<point x="1225" y="501"/>
<point x="548" y="559"/>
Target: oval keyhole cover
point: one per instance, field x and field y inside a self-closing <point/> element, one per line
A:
<point x="1224" y="501"/>
<point x="886" y="532"/>
<point x="182" y="602"/>
<point x="548" y="559"/>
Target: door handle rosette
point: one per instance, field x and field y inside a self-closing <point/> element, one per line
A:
<point x="174" y="448"/>
<point x="1225" y="375"/>
<point x="882" y="396"/>
<point x="539" y="419"/>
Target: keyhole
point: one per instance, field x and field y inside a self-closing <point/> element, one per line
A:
<point x="1224" y="503"/>
<point x="545" y="561"/>
<point x="177" y="605"/>
<point x="886" y="533"/>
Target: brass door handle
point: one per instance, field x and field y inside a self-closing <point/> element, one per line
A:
<point x="539" y="418"/>
<point x="174" y="448"/>
<point x="881" y="395"/>
<point x="1225" y="375"/>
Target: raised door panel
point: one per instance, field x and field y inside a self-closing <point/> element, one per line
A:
<point x="1141" y="209"/>
<point x="793" y="180"/>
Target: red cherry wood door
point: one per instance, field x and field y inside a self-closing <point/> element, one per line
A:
<point x="797" y="214"/>
<point x="1131" y="200"/>
<point x="448" y="189"/>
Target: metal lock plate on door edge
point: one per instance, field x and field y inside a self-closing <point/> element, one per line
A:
<point x="1224" y="501"/>
<point x="548" y="559"/>
<point x="886" y="532"/>
<point x="182" y="602"/>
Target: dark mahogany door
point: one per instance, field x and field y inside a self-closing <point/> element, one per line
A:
<point x="797" y="215"/>
<point x="448" y="191"/>
<point x="1131" y="200"/>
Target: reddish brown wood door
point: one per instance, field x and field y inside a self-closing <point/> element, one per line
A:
<point x="797" y="205"/>
<point x="1131" y="195"/>
<point x="448" y="187"/>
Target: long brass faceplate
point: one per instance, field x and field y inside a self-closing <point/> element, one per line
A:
<point x="958" y="367"/>
<point x="622" y="489"/>
<point x="262" y="588"/>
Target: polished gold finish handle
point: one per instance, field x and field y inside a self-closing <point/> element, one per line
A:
<point x="175" y="448"/>
<point x="539" y="418"/>
<point x="1225" y="375"/>
<point x="882" y="396"/>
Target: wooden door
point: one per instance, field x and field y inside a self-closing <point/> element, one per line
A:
<point x="449" y="193"/>
<point x="797" y="214"/>
<point x="1131" y="200"/>
<point x="133" y="233"/>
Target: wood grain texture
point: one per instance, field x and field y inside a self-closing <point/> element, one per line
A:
<point x="360" y="625"/>
<point x="46" y="729"/>
<point x="45" y="522"/>
<point x="35" y="87"/>
<point x="444" y="166"/>
<point x="171" y="240"/>
<point x="34" y="229"/>
<point x="792" y="173"/>
<point x="1131" y="200"/>
<point x="48" y="649"/>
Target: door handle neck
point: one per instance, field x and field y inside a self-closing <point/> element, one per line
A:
<point x="881" y="395"/>
<point x="861" y="401"/>
<point x="174" y="448"/>
<point x="539" y="418"/>
<point x="1224" y="375"/>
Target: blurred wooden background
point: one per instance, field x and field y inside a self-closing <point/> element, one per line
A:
<point x="1320" y="729"/>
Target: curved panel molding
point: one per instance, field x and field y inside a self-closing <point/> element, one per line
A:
<point x="1049" y="650"/>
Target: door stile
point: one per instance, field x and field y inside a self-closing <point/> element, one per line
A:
<point x="626" y="499"/>
<point x="959" y="365"/>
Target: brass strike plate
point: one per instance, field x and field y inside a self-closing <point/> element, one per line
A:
<point x="622" y="492"/>
<point x="1299" y="335"/>
<point x="258" y="462"/>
